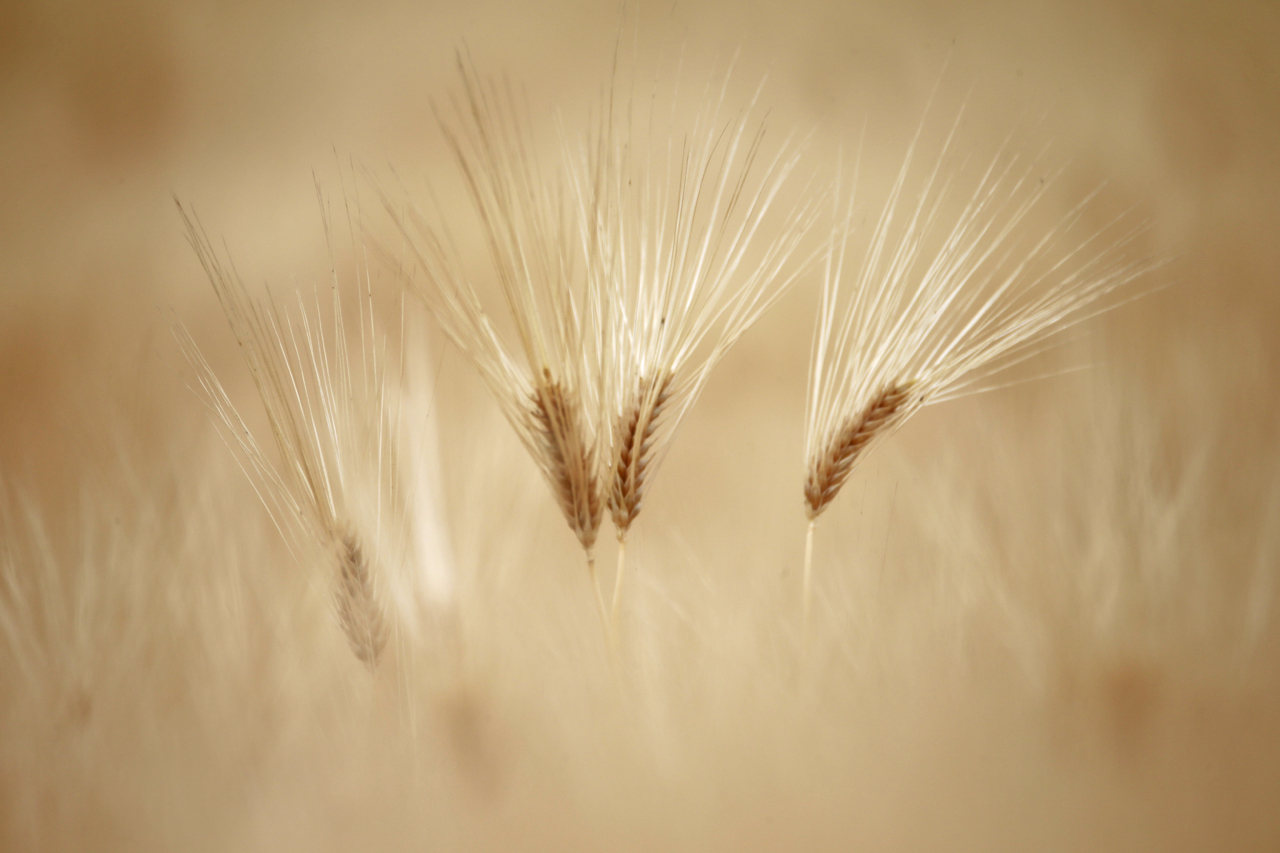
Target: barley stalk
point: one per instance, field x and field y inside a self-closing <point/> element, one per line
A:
<point x="807" y="581"/>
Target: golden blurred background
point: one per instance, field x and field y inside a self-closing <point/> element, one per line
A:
<point x="110" y="111"/>
<point x="1142" y="736"/>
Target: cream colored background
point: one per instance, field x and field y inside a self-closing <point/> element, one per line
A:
<point x="1073" y="721"/>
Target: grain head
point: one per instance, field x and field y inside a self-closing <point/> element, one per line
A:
<point x="945" y="295"/>
<point x="337" y="488"/>
<point x="691" y="223"/>
<point x="547" y="380"/>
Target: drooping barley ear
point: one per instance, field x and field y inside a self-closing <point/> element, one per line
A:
<point x="830" y="468"/>
<point x="569" y="457"/>
<point x="942" y="299"/>
<point x="359" y="612"/>
<point x="559" y="442"/>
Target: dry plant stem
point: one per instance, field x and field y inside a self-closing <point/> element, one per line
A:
<point x="358" y="610"/>
<point x="808" y="575"/>
<point x="617" y="584"/>
<point x="829" y="470"/>
<point x="600" y="608"/>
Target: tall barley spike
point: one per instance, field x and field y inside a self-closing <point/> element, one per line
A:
<point x="688" y="238"/>
<point x="940" y="300"/>
<point x="335" y="490"/>
<point x="548" y="384"/>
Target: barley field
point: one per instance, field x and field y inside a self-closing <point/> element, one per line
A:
<point x="316" y="485"/>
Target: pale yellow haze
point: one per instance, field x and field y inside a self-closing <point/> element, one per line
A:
<point x="1042" y="617"/>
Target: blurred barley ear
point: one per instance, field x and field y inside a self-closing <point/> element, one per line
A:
<point x="358" y="610"/>
<point x="330" y="420"/>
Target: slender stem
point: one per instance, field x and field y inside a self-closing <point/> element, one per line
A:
<point x="595" y="583"/>
<point x="617" y="583"/>
<point x="808" y="577"/>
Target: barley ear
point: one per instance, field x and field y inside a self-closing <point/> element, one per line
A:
<point x="633" y="435"/>
<point x="358" y="610"/>
<point x="830" y="468"/>
<point x="633" y="449"/>
<point x="568" y="457"/>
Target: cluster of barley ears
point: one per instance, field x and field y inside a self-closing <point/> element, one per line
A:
<point x="628" y="266"/>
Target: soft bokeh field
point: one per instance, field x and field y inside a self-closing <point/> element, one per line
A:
<point x="1047" y="617"/>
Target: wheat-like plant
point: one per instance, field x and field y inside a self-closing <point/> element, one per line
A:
<point x="548" y="384"/>
<point x="688" y="237"/>
<point x="940" y="300"/>
<point x="331" y="418"/>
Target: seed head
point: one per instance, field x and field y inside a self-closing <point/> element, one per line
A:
<point x="940" y="300"/>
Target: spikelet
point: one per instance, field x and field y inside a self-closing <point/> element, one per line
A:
<point x="547" y="384"/>
<point x="335" y="491"/>
<point x="635" y="429"/>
